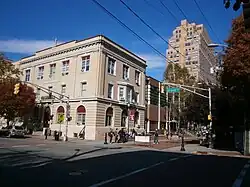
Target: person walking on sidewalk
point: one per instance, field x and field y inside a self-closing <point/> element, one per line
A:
<point x="46" y="133"/>
<point x="156" y="136"/>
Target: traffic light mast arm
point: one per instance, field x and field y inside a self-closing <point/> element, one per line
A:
<point x="43" y="88"/>
<point x="192" y="91"/>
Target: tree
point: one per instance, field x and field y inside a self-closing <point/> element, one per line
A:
<point x="8" y="70"/>
<point x="11" y="105"/>
<point x="235" y="76"/>
<point x="174" y="73"/>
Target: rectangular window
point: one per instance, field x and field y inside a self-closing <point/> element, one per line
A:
<point x="40" y="72"/>
<point x="125" y="72"/>
<point x="65" y="67"/>
<point x="38" y="93"/>
<point x="63" y="90"/>
<point x="52" y="71"/>
<point x="136" y="97"/>
<point x="83" y="88"/>
<point x="137" y="77"/>
<point x="129" y="94"/>
<point x="85" y="63"/>
<point x="121" y="94"/>
<point x="81" y="118"/>
<point x="110" y="91"/>
<point x="27" y="75"/>
<point x="111" y="66"/>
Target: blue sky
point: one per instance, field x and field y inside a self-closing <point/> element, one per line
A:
<point x="28" y="25"/>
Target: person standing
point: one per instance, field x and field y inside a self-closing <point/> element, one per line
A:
<point x="156" y="135"/>
<point x="46" y="133"/>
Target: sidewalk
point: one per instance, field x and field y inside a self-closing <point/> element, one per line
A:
<point x="201" y="150"/>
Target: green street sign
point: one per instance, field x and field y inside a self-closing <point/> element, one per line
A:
<point x="173" y="90"/>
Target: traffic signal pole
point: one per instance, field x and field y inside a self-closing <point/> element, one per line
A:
<point x="48" y="91"/>
<point x="209" y="97"/>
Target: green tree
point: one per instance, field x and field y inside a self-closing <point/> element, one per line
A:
<point x="174" y="73"/>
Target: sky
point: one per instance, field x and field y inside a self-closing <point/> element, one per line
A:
<point x="28" y="26"/>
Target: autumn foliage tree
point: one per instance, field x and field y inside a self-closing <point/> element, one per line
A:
<point x="235" y="77"/>
<point x="11" y="105"/>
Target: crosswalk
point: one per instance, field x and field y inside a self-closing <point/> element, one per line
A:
<point x="23" y="160"/>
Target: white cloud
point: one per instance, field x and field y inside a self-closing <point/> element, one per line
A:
<point x="154" y="61"/>
<point x="24" y="46"/>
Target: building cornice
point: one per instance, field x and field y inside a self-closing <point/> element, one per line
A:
<point x="78" y="45"/>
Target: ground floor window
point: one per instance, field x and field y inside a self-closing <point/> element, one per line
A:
<point x="109" y="117"/>
<point x="81" y="115"/>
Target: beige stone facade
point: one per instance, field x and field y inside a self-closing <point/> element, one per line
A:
<point x="103" y="81"/>
<point x="189" y="48"/>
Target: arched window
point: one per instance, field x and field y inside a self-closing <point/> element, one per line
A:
<point x="60" y="114"/>
<point x="124" y="118"/>
<point x="109" y="116"/>
<point x="81" y="115"/>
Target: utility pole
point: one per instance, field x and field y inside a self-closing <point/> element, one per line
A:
<point x="173" y="108"/>
<point x="210" y="115"/>
<point x="67" y="119"/>
<point x="167" y="128"/>
<point x="179" y="109"/>
<point x="159" y="107"/>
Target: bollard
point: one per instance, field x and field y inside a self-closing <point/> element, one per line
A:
<point x="182" y="143"/>
<point x="105" y="138"/>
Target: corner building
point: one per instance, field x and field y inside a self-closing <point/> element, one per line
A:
<point x="104" y="81"/>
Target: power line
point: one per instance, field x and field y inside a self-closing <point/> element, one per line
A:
<point x="198" y="6"/>
<point x="149" y="4"/>
<point x="202" y="37"/>
<point x="125" y="26"/>
<point x="144" y="22"/>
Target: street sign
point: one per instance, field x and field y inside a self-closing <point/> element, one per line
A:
<point x="173" y="90"/>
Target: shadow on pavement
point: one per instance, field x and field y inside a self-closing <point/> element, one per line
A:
<point x="175" y="168"/>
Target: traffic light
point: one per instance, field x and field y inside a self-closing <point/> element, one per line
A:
<point x="246" y="14"/>
<point x="226" y="4"/>
<point x="237" y="5"/>
<point x="69" y="118"/>
<point x="50" y="94"/>
<point x="17" y="88"/>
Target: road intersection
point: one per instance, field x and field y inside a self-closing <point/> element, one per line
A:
<point x="49" y="163"/>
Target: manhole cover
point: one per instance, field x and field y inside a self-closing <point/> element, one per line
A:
<point x="75" y="173"/>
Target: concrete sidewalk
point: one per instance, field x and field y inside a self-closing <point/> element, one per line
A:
<point x="201" y="150"/>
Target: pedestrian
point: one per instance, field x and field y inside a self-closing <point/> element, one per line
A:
<point x="156" y="135"/>
<point x="46" y="133"/>
<point x="116" y="135"/>
<point x="110" y="136"/>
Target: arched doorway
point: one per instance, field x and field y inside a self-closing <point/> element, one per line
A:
<point x="136" y="119"/>
<point x="46" y="117"/>
<point x="124" y="118"/>
<point x="109" y="116"/>
<point x="60" y="114"/>
<point x="81" y="115"/>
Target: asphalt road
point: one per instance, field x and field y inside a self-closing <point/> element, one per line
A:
<point x="69" y="165"/>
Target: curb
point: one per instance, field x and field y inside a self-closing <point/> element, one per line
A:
<point x="107" y="147"/>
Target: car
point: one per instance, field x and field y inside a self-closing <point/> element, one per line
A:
<point x="16" y="131"/>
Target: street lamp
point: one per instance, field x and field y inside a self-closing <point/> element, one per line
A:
<point x="213" y="45"/>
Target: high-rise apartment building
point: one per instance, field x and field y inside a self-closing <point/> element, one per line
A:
<point x="188" y="47"/>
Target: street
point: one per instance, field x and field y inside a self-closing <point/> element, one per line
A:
<point x="29" y="162"/>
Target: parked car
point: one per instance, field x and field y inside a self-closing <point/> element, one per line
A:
<point x="17" y="131"/>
